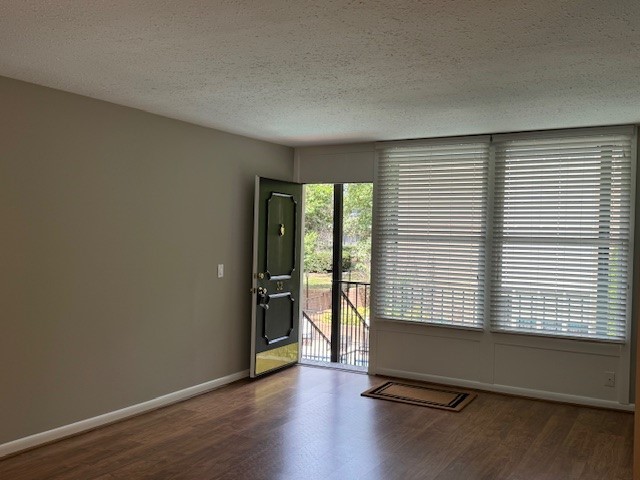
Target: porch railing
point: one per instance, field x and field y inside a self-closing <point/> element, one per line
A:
<point x="354" y="327"/>
<point x="354" y="323"/>
<point x="316" y="346"/>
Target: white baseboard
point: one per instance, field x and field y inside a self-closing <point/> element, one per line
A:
<point x="90" y="423"/>
<point x="522" y="392"/>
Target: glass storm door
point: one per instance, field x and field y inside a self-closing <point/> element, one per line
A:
<point x="276" y="275"/>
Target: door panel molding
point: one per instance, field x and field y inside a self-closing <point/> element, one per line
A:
<point x="281" y="230"/>
<point x="287" y="309"/>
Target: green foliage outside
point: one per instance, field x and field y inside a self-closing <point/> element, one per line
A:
<point x="318" y="281"/>
<point x="318" y="228"/>
<point x="358" y="202"/>
<point x="318" y="236"/>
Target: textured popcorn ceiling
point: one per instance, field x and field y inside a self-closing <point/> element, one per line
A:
<point x="305" y="72"/>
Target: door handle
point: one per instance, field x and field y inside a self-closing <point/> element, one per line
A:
<point x="264" y="299"/>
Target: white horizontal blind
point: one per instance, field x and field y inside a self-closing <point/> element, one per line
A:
<point x="431" y="210"/>
<point x="561" y="235"/>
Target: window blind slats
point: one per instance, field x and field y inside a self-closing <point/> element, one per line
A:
<point x="561" y="236"/>
<point x="561" y="229"/>
<point x="431" y="232"/>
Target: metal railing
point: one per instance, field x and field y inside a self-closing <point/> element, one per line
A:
<point x="316" y="346"/>
<point x="354" y="323"/>
<point x="353" y="331"/>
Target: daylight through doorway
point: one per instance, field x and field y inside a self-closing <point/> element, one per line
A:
<point x="336" y="284"/>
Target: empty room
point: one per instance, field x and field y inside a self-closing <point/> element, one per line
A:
<point x="353" y="240"/>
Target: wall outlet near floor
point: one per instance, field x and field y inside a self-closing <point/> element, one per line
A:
<point x="609" y="379"/>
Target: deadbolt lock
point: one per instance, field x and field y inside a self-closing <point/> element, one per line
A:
<point x="260" y="291"/>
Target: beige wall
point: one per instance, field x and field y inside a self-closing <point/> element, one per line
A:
<point x="352" y="163"/>
<point x="112" y="222"/>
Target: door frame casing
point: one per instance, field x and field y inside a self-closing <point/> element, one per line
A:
<point x="254" y="270"/>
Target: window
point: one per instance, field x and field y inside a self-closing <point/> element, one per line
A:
<point x="431" y="222"/>
<point x="556" y="209"/>
<point x="562" y="235"/>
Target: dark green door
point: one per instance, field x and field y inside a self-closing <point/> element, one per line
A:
<point x="276" y="275"/>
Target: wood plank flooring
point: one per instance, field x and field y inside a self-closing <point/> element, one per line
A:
<point x="311" y="423"/>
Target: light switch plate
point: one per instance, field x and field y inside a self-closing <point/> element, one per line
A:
<point x="220" y="270"/>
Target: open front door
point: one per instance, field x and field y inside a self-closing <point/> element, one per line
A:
<point x="276" y="275"/>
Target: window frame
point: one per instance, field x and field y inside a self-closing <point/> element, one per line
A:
<point x="559" y="134"/>
<point x="454" y="141"/>
<point x="487" y="326"/>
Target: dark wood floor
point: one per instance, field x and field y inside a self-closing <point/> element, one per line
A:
<point x="311" y="423"/>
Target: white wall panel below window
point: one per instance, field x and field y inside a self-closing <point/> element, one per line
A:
<point x="561" y="371"/>
<point x="538" y="367"/>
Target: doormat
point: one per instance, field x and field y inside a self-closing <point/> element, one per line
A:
<point x="434" y="397"/>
